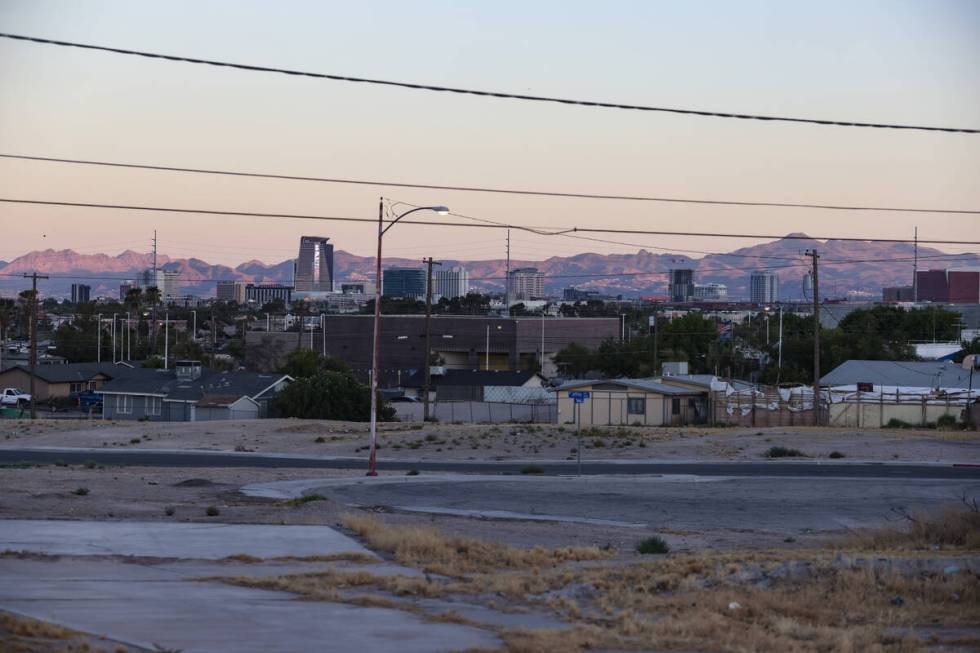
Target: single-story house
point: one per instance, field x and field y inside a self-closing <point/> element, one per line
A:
<point x="649" y="402"/>
<point x="870" y="393"/>
<point x="479" y="385"/>
<point x="55" y="381"/>
<point x="190" y="393"/>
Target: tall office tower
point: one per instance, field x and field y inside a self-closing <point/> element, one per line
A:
<point x="230" y="291"/>
<point x="454" y="282"/>
<point x="403" y="282"/>
<point x="526" y="284"/>
<point x="763" y="287"/>
<point x="80" y="293"/>
<point x="681" y="284"/>
<point x="314" y="265"/>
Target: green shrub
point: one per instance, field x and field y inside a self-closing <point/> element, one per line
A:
<point x="412" y="472"/>
<point x="652" y="546"/>
<point x="836" y="454"/>
<point x="945" y="422"/>
<point x="532" y="469"/>
<point x="895" y="423"/>
<point x="212" y="511"/>
<point x="784" y="452"/>
<point x="82" y="491"/>
<point x="306" y="498"/>
<point x="329" y="395"/>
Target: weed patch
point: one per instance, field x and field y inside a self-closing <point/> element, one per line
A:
<point x="783" y="452"/>
<point x="652" y="546"/>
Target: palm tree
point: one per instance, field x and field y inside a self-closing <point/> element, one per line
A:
<point x="134" y="301"/>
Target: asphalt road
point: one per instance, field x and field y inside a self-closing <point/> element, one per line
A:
<point x="787" y="506"/>
<point x="809" y="469"/>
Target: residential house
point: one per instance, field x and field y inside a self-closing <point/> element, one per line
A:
<point x="648" y="402"/>
<point x="871" y="393"/>
<point x="191" y="393"/>
<point x="57" y="381"/>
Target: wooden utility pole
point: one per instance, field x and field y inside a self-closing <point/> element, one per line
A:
<point x="428" y="337"/>
<point x="33" y="276"/>
<point x="815" y="257"/>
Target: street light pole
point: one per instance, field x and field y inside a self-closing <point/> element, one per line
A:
<point x="382" y="229"/>
<point x="98" y="339"/>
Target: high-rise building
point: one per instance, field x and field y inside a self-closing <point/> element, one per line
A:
<point x="150" y="278"/>
<point x="230" y="291"/>
<point x="171" y="285"/>
<point x="954" y="285"/>
<point x="763" y="287"/>
<point x="125" y="287"/>
<point x="710" y="292"/>
<point x="681" y="282"/>
<point x="80" y="293"/>
<point x="314" y="265"/>
<point x="452" y="282"/>
<point x="264" y="293"/>
<point x="525" y="284"/>
<point x="403" y="282"/>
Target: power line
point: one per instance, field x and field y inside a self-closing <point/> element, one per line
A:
<point x="544" y="231"/>
<point x="484" y="93"/>
<point x="486" y="189"/>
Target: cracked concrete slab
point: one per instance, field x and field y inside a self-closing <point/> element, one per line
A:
<point x="173" y="540"/>
<point x="144" y="606"/>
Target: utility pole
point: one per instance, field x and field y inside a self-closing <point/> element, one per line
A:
<point x="507" y="280"/>
<point x="428" y="337"/>
<point x="98" y="338"/>
<point x="915" y="268"/>
<point x="34" y="276"/>
<point x="779" y="365"/>
<point x="814" y="256"/>
<point x="166" y="340"/>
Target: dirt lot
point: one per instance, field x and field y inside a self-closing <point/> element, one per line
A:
<point x="501" y="442"/>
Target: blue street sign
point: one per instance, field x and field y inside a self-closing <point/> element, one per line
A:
<point x="579" y="396"/>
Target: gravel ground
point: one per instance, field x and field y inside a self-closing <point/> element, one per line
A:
<point x="501" y="442"/>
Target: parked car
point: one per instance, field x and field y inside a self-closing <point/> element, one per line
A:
<point x="87" y="399"/>
<point x="14" y="397"/>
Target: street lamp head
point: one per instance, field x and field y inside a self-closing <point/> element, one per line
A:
<point x="441" y="210"/>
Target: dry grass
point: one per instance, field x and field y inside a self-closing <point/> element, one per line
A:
<point x="24" y="635"/>
<point x="954" y="528"/>
<point x="355" y="557"/>
<point x="679" y="602"/>
<point x="430" y="550"/>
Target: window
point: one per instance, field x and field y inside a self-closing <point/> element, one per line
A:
<point x="151" y="405"/>
<point x="76" y="387"/>
<point x="124" y="404"/>
<point x="636" y="406"/>
<point x="675" y="406"/>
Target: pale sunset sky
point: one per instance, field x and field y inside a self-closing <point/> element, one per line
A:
<point x="895" y="61"/>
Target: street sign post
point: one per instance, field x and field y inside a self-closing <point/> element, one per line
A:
<point x="579" y="396"/>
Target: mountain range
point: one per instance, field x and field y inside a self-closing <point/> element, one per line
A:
<point x="844" y="266"/>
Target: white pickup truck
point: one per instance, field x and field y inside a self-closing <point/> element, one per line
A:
<point x="14" y="397"/>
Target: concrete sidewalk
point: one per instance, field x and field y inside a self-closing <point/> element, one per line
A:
<point x="172" y="540"/>
<point x="152" y="604"/>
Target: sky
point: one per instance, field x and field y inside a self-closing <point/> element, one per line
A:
<point x="878" y="61"/>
